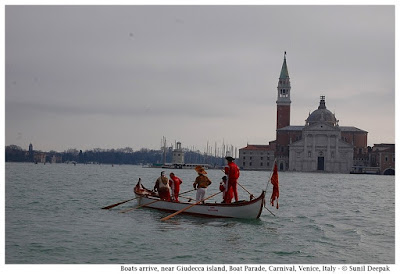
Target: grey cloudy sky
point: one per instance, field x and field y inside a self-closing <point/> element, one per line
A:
<point x="124" y="76"/>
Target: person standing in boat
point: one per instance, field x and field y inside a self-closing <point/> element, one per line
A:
<point x="162" y="187"/>
<point x="223" y="185"/>
<point x="233" y="173"/>
<point x="175" y="183"/>
<point x="201" y="183"/>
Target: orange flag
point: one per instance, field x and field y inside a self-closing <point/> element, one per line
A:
<point x="275" y="190"/>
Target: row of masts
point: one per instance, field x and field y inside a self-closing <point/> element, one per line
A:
<point x="217" y="151"/>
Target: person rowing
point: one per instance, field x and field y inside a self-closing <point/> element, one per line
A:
<point x="162" y="187"/>
<point x="175" y="183"/>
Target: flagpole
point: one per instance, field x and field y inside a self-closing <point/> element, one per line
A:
<point x="270" y="174"/>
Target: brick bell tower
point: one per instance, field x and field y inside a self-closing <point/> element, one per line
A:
<point x="283" y="118"/>
<point x="283" y="101"/>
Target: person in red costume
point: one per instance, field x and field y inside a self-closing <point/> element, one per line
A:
<point x="223" y="186"/>
<point x="175" y="183"/>
<point x="162" y="187"/>
<point x="233" y="173"/>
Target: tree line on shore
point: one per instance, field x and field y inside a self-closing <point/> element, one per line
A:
<point x="126" y="155"/>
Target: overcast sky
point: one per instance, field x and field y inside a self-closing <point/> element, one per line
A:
<point x="107" y="77"/>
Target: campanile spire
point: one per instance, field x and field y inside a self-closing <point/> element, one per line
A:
<point x="283" y="101"/>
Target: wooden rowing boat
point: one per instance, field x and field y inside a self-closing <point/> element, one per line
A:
<point x="242" y="209"/>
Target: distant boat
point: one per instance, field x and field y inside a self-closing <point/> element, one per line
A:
<point x="185" y="166"/>
<point x="177" y="166"/>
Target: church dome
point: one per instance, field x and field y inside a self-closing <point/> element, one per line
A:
<point x="322" y="115"/>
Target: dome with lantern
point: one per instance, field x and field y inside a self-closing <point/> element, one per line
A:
<point x="322" y="115"/>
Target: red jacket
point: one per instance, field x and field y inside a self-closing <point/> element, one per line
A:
<point x="175" y="183"/>
<point x="232" y="171"/>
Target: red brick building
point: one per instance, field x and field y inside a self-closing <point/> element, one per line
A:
<point x="382" y="156"/>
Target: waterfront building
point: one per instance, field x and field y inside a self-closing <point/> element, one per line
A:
<point x="382" y="159"/>
<point x="319" y="145"/>
<point x="178" y="155"/>
<point x="256" y="157"/>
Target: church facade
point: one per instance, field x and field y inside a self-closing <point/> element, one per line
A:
<point x="321" y="147"/>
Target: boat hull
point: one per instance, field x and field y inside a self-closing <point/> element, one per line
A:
<point x="243" y="210"/>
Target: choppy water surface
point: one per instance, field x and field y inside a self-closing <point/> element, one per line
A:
<point x="53" y="216"/>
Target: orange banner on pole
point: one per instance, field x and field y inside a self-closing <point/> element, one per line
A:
<point x="275" y="183"/>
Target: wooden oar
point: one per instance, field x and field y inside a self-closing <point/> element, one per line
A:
<point x="269" y="211"/>
<point x="189" y="198"/>
<point x="180" y="194"/>
<point x="186" y="208"/>
<point x="186" y="191"/>
<point x="251" y="195"/>
<point x="120" y="203"/>
<point x="117" y="204"/>
<point x="133" y="208"/>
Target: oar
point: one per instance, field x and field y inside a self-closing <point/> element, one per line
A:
<point x="269" y="211"/>
<point x="186" y="191"/>
<point x="186" y="208"/>
<point x="120" y="203"/>
<point x="189" y="198"/>
<point x="133" y="208"/>
<point x="251" y="195"/>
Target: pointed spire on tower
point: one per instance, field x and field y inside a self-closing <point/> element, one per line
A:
<point x="284" y="70"/>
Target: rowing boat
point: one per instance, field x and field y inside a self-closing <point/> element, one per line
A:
<point x="242" y="209"/>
